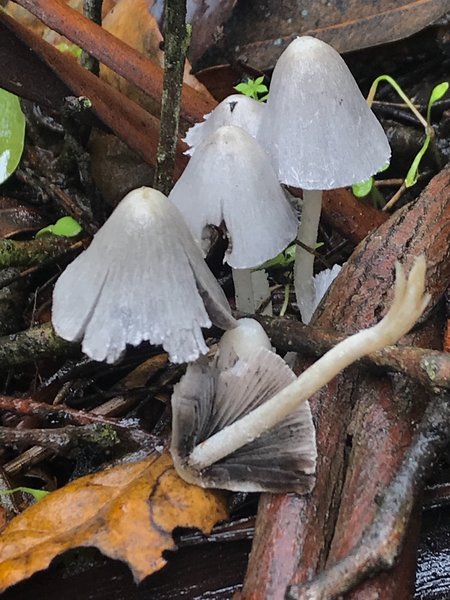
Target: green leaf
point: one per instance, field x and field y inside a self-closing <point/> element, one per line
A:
<point x="413" y="173"/>
<point x="252" y="88"/>
<point x="64" y="227"/>
<point x="12" y="134"/>
<point x="437" y="93"/>
<point x="363" y="188"/>
<point x="37" y="494"/>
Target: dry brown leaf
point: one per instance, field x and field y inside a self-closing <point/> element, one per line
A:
<point x="128" y="512"/>
<point x="260" y="31"/>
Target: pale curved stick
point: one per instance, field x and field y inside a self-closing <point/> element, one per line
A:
<point x="408" y="305"/>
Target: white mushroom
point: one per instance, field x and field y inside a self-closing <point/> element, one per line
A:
<point x="320" y="134"/>
<point x="230" y="180"/>
<point x="142" y="278"/>
<point x="211" y="397"/>
<point x="236" y="109"/>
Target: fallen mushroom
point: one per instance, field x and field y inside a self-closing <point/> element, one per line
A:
<point x="249" y="424"/>
<point x="143" y="278"/>
<point x="211" y="396"/>
<point x="230" y="180"/>
<point x="237" y="109"/>
<point x="320" y="134"/>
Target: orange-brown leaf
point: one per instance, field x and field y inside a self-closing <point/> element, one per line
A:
<point x="128" y="512"/>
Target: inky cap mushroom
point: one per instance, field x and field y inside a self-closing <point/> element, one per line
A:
<point x="229" y="179"/>
<point x="142" y="278"/>
<point x="207" y="400"/>
<point x="317" y="126"/>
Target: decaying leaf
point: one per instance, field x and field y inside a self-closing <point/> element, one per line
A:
<point x="128" y="512"/>
<point x="260" y="31"/>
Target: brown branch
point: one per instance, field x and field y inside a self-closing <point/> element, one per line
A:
<point x="33" y="344"/>
<point x="176" y="42"/>
<point x="65" y="438"/>
<point x="364" y="422"/>
<point x="430" y="368"/>
<point x="131" y="123"/>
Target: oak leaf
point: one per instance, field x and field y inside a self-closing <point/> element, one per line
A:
<point x="128" y="512"/>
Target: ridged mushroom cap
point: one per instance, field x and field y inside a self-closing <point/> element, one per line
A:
<point x="142" y="278"/>
<point x="208" y="399"/>
<point x="230" y="179"/>
<point x="317" y="126"/>
<point x="236" y="109"/>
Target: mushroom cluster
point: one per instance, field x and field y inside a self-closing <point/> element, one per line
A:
<point x="241" y="420"/>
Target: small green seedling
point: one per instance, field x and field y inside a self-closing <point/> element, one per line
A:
<point x="12" y="134"/>
<point x="438" y="92"/>
<point x="64" y="227"/>
<point x="254" y="88"/>
<point x="364" y="187"/>
<point x="37" y="494"/>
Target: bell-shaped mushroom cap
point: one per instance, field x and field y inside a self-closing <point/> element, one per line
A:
<point x="207" y="400"/>
<point x="236" y="109"/>
<point x="230" y="179"/>
<point x="317" y="126"/>
<point x="243" y="341"/>
<point x="142" y="278"/>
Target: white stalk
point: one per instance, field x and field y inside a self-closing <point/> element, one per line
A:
<point x="408" y="305"/>
<point x="304" y="260"/>
<point x="251" y="289"/>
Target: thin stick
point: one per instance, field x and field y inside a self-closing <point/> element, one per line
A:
<point x="176" y="41"/>
<point x="92" y="9"/>
<point x="408" y="305"/>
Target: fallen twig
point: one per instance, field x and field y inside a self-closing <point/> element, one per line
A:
<point x="176" y="42"/>
<point x="430" y="368"/>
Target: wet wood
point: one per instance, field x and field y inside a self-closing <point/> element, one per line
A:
<point x="364" y="423"/>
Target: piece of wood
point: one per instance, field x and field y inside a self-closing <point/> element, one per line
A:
<point x="376" y="414"/>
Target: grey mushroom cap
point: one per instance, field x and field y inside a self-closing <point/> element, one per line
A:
<point x="236" y="109"/>
<point x="143" y="278"/>
<point x="208" y="399"/>
<point x="317" y="126"/>
<point x="230" y="179"/>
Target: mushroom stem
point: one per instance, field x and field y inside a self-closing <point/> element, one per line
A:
<point x="251" y="289"/>
<point x="408" y="305"/>
<point x="304" y="260"/>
